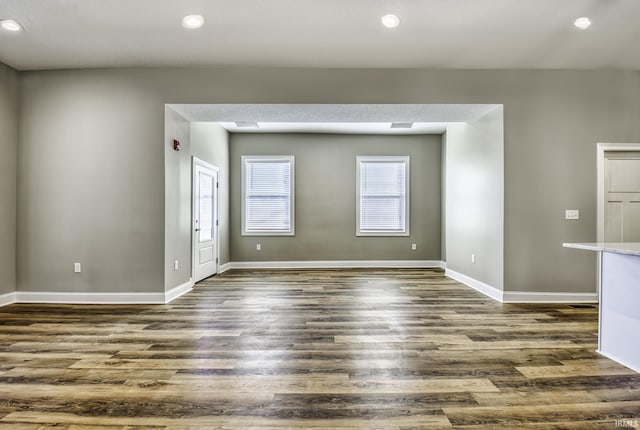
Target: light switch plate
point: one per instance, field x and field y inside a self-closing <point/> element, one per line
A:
<point x="572" y="214"/>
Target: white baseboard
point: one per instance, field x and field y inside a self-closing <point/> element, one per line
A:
<point x="90" y="298"/>
<point x="176" y="292"/>
<point x="168" y="296"/>
<point x="224" y="267"/>
<point x="96" y="298"/>
<point x="336" y="264"/>
<point x="7" y="299"/>
<point x="552" y="297"/>
<point x="521" y="296"/>
<point x="479" y="286"/>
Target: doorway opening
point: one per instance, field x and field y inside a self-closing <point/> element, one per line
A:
<point x="618" y="192"/>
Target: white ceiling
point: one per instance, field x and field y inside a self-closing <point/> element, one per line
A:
<point x="322" y="33"/>
<point x="335" y="118"/>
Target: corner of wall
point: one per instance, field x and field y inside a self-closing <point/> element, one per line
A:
<point x="474" y="205"/>
<point x="177" y="195"/>
<point x="9" y="126"/>
<point x="443" y="202"/>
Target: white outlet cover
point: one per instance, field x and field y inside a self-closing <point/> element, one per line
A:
<point x="572" y="214"/>
<point x="77" y="267"/>
<point x="258" y="247"/>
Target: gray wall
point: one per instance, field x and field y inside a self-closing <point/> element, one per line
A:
<point x="474" y="202"/>
<point x="210" y="143"/>
<point x="553" y="120"/>
<point x="90" y="184"/>
<point x="177" y="178"/>
<point x="325" y="198"/>
<point x="8" y="172"/>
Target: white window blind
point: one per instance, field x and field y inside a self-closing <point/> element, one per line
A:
<point x="383" y="190"/>
<point x="267" y="195"/>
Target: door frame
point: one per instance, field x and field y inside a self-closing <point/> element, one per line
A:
<point x="194" y="240"/>
<point x="601" y="149"/>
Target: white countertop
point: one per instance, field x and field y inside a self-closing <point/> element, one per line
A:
<point x="629" y="248"/>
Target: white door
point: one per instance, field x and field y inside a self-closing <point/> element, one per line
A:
<point x="205" y="220"/>
<point x="622" y="196"/>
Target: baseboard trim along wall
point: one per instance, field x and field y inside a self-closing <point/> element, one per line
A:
<point x="168" y="296"/>
<point x="7" y="299"/>
<point x="224" y="267"/>
<point x="89" y="298"/>
<point x="335" y="264"/>
<point x="96" y="298"/>
<point x="521" y="296"/>
<point x="176" y="292"/>
<point x="479" y="286"/>
<point x="553" y="297"/>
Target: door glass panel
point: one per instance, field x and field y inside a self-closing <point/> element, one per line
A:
<point x="205" y="206"/>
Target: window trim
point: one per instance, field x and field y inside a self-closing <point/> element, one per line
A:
<point x="257" y="158"/>
<point x="407" y="196"/>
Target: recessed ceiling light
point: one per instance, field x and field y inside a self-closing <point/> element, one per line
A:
<point x="193" y="21"/>
<point x="246" y="124"/>
<point x="10" y="25"/>
<point x="390" y="21"/>
<point x="582" y="23"/>
<point x="401" y="124"/>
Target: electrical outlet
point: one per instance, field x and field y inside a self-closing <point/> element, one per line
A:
<point x="176" y="265"/>
<point x="572" y="214"/>
<point x="414" y="246"/>
<point x="77" y="267"/>
<point x="258" y="247"/>
<point x="473" y="258"/>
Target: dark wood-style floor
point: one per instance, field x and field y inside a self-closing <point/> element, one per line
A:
<point x="388" y="349"/>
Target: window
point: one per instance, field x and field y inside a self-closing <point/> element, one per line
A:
<point x="383" y="190"/>
<point x="267" y="195"/>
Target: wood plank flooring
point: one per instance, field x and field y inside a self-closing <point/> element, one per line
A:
<point x="374" y="349"/>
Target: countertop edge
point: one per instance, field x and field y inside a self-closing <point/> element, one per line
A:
<point x="631" y="248"/>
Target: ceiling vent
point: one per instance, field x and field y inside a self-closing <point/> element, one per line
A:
<point x="401" y="124"/>
<point x="246" y="124"/>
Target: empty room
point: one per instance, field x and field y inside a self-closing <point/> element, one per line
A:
<point x="319" y="214"/>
